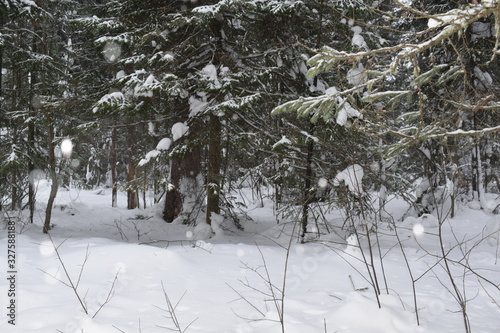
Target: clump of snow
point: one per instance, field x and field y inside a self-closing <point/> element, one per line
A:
<point x="216" y="222"/>
<point x="115" y="98"/>
<point x="152" y="154"/>
<point x="406" y="3"/>
<point x="357" y="39"/>
<point x="352" y="249"/>
<point x="151" y="128"/>
<point x="197" y="105"/>
<point x="474" y="204"/>
<point x="150" y="80"/>
<point x="202" y="231"/>
<point x="361" y="314"/>
<point x="121" y="74"/>
<point x="351" y="177"/>
<point x="332" y="91"/>
<point x="179" y="130"/>
<point x="357" y="76"/>
<point x="433" y="23"/>
<point x="429" y="221"/>
<point x="346" y="110"/>
<point x="209" y="73"/>
<point x="454" y="16"/>
<point x="283" y="141"/>
<point x="164" y="144"/>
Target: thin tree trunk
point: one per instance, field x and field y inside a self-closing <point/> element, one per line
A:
<point x="31" y="168"/>
<point x="112" y="162"/>
<point x="469" y="91"/>
<point x="31" y="141"/>
<point x="307" y="196"/>
<point x="53" y="174"/>
<point x="213" y="167"/>
<point x="132" y="198"/>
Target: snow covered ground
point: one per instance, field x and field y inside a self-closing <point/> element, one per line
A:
<point x="129" y="266"/>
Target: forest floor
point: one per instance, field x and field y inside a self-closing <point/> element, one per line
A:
<point x="110" y="269"/>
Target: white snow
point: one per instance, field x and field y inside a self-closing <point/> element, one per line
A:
<point x="202" y="231"/>
<point x="283" y="141"/>
<point x="346" y="112"/>
<point x="197" y="104"/>
<point x="164" y="144"/>
<point x="216" y="283"/>
<point x="151" y="154"/>
<point x="351" y="177"/>
<point x="178" y="130"/>
<point x="357" y="39"/>
<point x="115" y="98"/>
<point x="357" y="76"/>
<point x="209" y="73"/>
<point x="121" y="74"/>
<point x="150" y="80"/>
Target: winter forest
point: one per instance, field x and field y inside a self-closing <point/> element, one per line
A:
<point x="250" y="166"/>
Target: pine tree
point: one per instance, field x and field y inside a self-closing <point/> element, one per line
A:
<point x="420" y="111"/>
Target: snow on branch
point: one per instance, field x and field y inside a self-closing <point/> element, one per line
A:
<point x="456" y="20"/>
<point x="460" y="132"/>
<point x="452" y="22"/>
<point x="351" y="177"/>
<point x="114" y="99"/>
<point x="327" y="106"/>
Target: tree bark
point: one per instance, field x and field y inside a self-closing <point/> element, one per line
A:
<point x="132" y="197"/>
<point x="184" y="183"/>
<point x="213" y="167"/>
<point x="308" y="195"/>
<point x="31" y="168"/>
<point x="53" y="174"/>
<point x="112" y="162"/>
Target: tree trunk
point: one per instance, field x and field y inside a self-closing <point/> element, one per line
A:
<point x="112" y="162"/>
<point x="184" y="182"/>
<point x="213" y="167"/>
<point x="132" y="197"/>
<point x="53" y="174"/>
<point x="307" y="195"/>
<point x="31" y="168"/>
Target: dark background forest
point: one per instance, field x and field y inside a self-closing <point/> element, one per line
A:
<point x="184" y="101"/>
